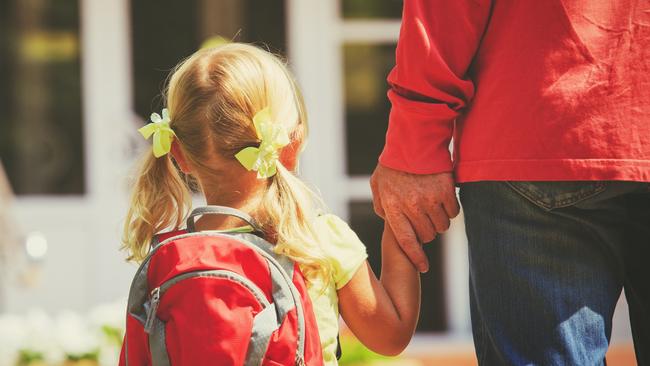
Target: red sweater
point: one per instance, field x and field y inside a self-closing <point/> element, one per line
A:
<point x="529" y="89"/>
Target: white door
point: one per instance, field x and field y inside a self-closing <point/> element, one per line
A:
<point x="65" y="113"/>
<point x="341" y="51"/>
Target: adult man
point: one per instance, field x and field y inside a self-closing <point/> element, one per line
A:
<point x="549" y="105"/>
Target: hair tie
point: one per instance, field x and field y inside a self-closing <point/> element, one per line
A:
<point x="273" y="136"/>
<point x="162" y="133"/>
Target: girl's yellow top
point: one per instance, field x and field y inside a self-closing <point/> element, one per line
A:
<point x="346" y="253"/>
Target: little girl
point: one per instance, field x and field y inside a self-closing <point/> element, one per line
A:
<point x="236" y="123"/>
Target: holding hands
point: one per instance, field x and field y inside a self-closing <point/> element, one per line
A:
<point x="417" y="207"/>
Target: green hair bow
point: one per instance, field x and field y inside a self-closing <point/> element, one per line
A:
<point x="162" y="133"/>
<point x="273" y="136"/>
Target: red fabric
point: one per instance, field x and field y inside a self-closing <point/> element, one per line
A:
<point x="206" y="320"/>
<point x="530" y="90"/>
<point x="138" y="344"/>
<point x="201" y="253"/>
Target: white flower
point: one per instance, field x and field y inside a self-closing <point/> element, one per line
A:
<point x="74" y="335"/>
<point x="39" y="336"/>
<point x="112" y="315"/>
<point x="109" y="355"/>
<point x="12" y="336"/>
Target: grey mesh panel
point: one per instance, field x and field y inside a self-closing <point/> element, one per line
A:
<point x="157" y="346"/>
<point x="264" y="324"/>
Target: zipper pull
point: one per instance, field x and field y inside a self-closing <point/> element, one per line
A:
<point x="300" y="361"/>
<point x="153" y="308"/>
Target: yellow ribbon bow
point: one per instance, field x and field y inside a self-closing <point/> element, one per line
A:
<point x="273" y="137"/>
<point x="162" y="133"/>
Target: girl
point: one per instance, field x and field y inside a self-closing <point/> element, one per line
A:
<point x="236" y="123"/>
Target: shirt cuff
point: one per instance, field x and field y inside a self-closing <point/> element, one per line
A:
<point x="418" y="136"/>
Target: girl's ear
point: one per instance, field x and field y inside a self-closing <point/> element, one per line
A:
<point x="289" y="155"/>
<point x="179" y="156"/>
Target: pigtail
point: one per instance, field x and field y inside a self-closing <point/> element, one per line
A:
<point x="290" y="208"/>
<point x="160" y="200"/>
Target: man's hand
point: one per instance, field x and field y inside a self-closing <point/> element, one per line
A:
<point x="417" y="207"/>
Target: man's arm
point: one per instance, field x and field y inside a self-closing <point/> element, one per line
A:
<point x="413" y="188"/>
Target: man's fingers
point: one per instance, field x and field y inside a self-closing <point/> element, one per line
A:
<point x="379" y="209"/>
<point x="423" y="226"/>
<point x="376" y="200"/>
<point x="450" y="203"/>
<point x="439" y="218"/>
<point x="408" y="241"/>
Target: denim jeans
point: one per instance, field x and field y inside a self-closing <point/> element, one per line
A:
<point x="547" y="264"/>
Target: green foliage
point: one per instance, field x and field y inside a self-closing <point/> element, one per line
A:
<point x="25" y="357"/>
<point x="91" y="356"/>
<point x="113" y="335"/>
<point x="355" y="353"/>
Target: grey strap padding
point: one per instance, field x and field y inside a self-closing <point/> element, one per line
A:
<point x="138" y="293"/>
<point x="157" y="346"/>
<point x="220" y="210"/>
<point x="264" y="324"/>
<point x="281" y="294"/>
<point x="293" y="291"/>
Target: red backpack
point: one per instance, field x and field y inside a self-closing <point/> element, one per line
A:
<point x="207" y="298"/>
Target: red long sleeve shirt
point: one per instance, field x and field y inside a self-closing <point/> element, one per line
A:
<point x="529" y="89"/>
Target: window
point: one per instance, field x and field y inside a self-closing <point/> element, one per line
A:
<point x="179" y="28"/>
<point x="368" y="54"/>
<point x="41" y="138"/>
<point x="366" y="106"/>
<point x="365" y="9"/>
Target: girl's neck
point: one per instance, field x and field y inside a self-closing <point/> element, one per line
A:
<point x="246" y="200"/>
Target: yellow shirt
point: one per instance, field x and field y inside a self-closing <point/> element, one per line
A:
<point x="346" y="254"/>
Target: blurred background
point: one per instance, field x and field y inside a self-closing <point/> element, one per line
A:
<point x="78" y="77"/>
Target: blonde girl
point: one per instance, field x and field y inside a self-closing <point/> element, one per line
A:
<point x="235" y="122"/>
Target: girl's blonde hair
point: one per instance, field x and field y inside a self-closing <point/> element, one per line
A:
<point x="212" y="97"/>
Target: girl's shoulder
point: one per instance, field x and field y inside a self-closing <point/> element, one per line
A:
<point x="331" y="228"/>
<point x="345" y="251"/>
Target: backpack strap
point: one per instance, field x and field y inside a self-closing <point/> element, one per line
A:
<point x="220" y="210"/>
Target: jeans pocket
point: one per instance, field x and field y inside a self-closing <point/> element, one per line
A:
<point x="552" y="195"/>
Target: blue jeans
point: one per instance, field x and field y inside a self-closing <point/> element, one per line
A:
<point x="547" y="264"/>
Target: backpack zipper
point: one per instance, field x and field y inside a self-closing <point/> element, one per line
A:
<point x="300" y="360"/>
<point x="157" y="292"/>
<point x="153" y="308"/>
